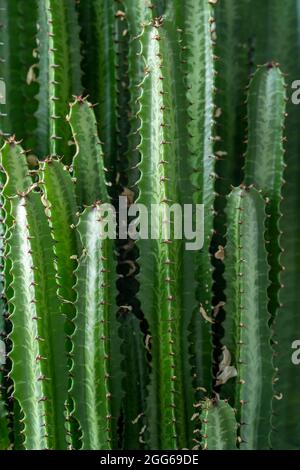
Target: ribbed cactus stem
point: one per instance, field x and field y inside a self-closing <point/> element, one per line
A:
<point x="38" y="354"/>
<point x="246" y="370"/>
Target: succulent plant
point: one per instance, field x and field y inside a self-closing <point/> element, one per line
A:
<point x="133" y="342"/>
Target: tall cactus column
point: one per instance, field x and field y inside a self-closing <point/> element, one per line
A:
<point x="160" y="277"/>
<point x="247" y="335"/>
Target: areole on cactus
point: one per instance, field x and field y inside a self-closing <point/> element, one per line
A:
<point x="141" y="344"/>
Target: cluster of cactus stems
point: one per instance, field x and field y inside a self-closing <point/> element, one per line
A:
<point x="110" y="344"/>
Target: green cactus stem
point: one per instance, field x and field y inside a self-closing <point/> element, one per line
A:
<point x="247" y="337"/>
<point x="38" y="356"/>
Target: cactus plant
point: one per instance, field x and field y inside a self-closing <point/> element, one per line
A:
<point x="137" y="342"/>
<point x="266" y="148"/>
<point x="39" y="361"/>
<point x="247" y="334"/>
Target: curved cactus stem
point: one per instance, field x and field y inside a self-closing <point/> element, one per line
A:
<point x="247" y="335"/>
<point x="88" y="164"/>
<point x="54" y="80"/>
<point x="38" y="353"/>
<point x="219" y="429"/>
<point x="134" y="383"/>
<point x="96" y="353"/>
<point x="264" y="162"/>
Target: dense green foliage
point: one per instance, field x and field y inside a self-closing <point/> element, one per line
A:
<point x="110" y="343"/>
